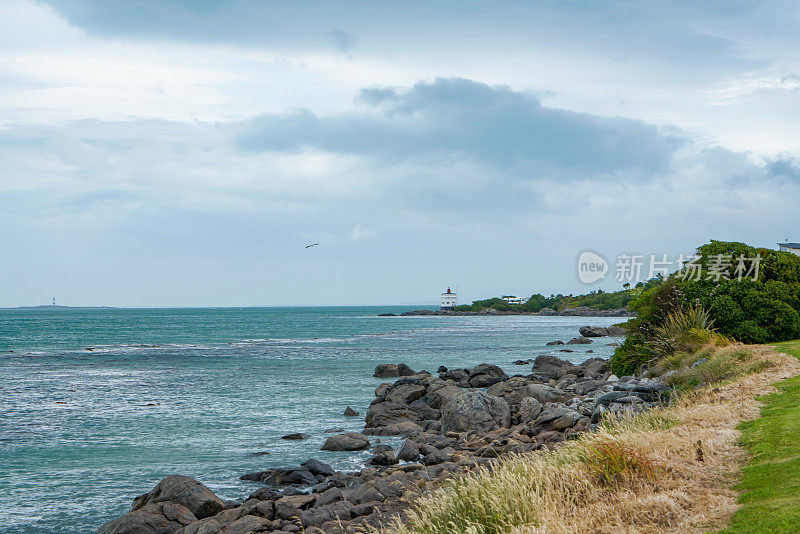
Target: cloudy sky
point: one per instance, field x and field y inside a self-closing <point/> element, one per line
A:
<point x="180" y="153"/>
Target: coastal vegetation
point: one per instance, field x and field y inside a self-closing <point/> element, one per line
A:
<point x="666" y="469"/>
<point x="747" y="300"/>
<point x="598" y="300"/>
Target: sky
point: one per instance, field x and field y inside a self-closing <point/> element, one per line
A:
<point x="183" y="153"/>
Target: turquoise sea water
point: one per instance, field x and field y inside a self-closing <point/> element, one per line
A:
<point x="98" y="405"/>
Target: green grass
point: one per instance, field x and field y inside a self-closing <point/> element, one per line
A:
<point x="771" y="480"/>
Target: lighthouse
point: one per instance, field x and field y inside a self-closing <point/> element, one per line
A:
<point x="449" y="300"/>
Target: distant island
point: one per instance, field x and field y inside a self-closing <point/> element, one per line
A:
<point x="59" y="307"/>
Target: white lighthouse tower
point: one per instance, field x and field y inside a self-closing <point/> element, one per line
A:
<point x="449" y="300"/>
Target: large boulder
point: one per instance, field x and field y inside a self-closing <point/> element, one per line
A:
<point x="475" y="410"/>
<point x="550" y="366"/>
<point x="404" y="370"/>
<point x="152" y="518"/>
<point x="386" y="370"/>
<point x="389" y="413"/>
<point x="593" y="331"/>
<point x="318" y="468"/>
<point x="512" y="390"/>
<point x="440" y="392"/>
<point x="409" y="452"/>
<point x="183" y="490"/>
<point x="529" y="409"/>
<point x="283" y="477"/>
<point x="486" y="374"/>
<point x="349" y="441"/>
<point x="403" y="392"/>
<point x="544" y="393"/>
<point x="556" y="417"/>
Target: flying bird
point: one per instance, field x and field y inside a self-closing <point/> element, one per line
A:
<point x="312" y="245"/>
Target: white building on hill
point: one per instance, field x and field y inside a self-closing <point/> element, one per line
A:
<point x="511" y="299"/>
<point x="449" y="300"/>
<point x="794" y="248"/>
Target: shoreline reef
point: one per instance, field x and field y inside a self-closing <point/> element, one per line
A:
<point x="454" y="421"/>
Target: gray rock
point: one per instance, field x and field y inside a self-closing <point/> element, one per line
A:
<point x="365" y="493"/>
<point x="386" y="370"/>
<point x="439" y="456"/>
<point x="403" y="428"/>
<point x="349" y="441"/>
<point x="512" y="390"/>
<point x="409" y="451"/>
<point x="183" y="490"/>
<point x="475" y="410"/>
<point x="349" y="412"/>
<point x="556" y="417"/>
<point x="152" y="518"/>
<point x="550" y="366"/>
<point x="296" y="436"/>
<point x="266" y="493"/>
<point x="544" y="393"/>
<point x="388" y="413"/>
<point x="556" y="342"/>
<point x="587" y="386"/>
<point x="318" y="468"/>
<point x="593" y="331"/>
<point x="383" y="458"/>
<point x="439" y="392"/>
<point x="287" y="508"/>
<point x="529" y="409"/>
<point x="599" y="412"/>
<point x="404" y="370"/>
<point x="579" y="341"/>
<point x="338" y="511"/>
<point x="404" y="393"/>
<point x="612" y="396"/>
<point x="282" y="477"/>
<point x="247" y="525"/>
<point x="595" y="368"/>
<point x="485" y="374"/>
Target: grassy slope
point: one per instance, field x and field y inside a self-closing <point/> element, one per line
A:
<point x="771" y="481"/>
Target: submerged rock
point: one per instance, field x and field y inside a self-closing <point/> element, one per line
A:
<point x="579" y="341"/>
<point x="296" y="436"/>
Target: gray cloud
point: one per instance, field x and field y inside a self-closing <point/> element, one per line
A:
<point x="494" y="126"/>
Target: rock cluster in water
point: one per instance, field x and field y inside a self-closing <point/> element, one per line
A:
<point x="451" y="421"/>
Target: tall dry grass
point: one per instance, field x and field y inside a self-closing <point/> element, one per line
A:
<point x="667" y="470"/>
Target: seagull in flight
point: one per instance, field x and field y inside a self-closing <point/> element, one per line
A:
<point x="312" y="245"/>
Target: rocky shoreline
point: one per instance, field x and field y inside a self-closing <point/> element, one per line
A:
<point x="452" y="421"/>
<point x="579" y="311"/>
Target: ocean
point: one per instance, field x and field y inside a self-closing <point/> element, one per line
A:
<point x="98" y="405"/>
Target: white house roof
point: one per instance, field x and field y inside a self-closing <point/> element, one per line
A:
<point x="789" y="245"/>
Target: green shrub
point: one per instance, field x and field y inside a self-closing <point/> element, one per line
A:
<point x="763" y="310"/>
